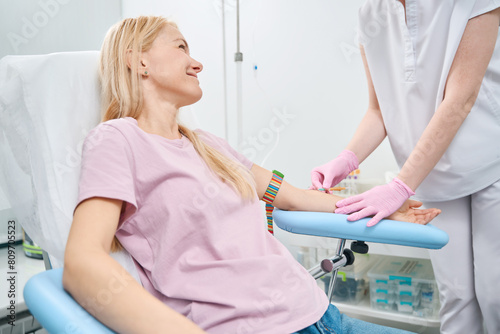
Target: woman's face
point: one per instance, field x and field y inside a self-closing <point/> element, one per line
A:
<point x="172" y="73"/>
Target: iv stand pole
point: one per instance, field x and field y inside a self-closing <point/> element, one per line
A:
<point x="238" y="58"/>
<point x="224" y="74"/>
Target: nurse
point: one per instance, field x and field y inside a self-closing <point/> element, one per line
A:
<point x="433" y="71"/>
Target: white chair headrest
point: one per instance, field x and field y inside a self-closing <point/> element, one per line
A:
<point x="48" y="103"/>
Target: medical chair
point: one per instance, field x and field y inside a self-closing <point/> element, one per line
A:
<point x="48" y="104"/>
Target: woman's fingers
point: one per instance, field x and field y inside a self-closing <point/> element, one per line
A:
<point x="426" y="215"/>
<point x="414" y="204"/>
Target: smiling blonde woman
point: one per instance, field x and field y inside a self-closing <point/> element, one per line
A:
<point x="185" y="205"/>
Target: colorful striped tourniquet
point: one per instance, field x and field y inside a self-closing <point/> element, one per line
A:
<point x="270" y="195"/>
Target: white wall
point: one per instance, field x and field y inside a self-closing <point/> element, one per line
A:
<point x="46" y="26"/>
<point x="309" y="68"/>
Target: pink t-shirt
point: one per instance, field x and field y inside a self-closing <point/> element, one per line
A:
<point x="198" y="246"/>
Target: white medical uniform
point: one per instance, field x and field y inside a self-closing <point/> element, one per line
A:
<point x="409" y="62"/>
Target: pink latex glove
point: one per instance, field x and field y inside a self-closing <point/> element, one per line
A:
<point x="380" y="201"/>
<point x="331" y="173"/>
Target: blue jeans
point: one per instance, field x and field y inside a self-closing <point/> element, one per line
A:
<point x="335" y="322"/>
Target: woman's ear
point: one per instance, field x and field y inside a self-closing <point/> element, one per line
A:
<point x="143" y="69"/>
<point x="141" y="64"/>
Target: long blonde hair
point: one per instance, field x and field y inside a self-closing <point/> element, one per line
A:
<point x="122" y="94"/>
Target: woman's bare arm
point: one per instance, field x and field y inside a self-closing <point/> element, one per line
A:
<point x="295" y="199"/>
<point x="102" y="286"/>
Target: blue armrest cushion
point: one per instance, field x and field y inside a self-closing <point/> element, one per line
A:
<point x="55" y="309"/>
<point x="387" y="231"/>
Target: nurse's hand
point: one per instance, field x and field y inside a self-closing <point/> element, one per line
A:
<point x="379" y="202"/>
<point x="408" y="212"/>
<point x="331" y="173"/>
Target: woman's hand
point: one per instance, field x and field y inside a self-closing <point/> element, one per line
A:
<point x="408" y="212"/>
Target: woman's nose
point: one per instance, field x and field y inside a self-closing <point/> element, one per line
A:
<point x="197" y="66"/>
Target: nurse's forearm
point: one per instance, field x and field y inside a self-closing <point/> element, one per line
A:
<point x="433" y="143"/>
<point x="369" y="134"/>
<point x="371" y="130"/>
<point x="462" y="88"/>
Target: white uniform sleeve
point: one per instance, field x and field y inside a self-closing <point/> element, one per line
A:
<point x="484" y="6"/>
<point x="359" y="36"/>
<point x="362" y="18"/>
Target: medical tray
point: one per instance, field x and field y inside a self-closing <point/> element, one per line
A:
<point x="404" y="285"/>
